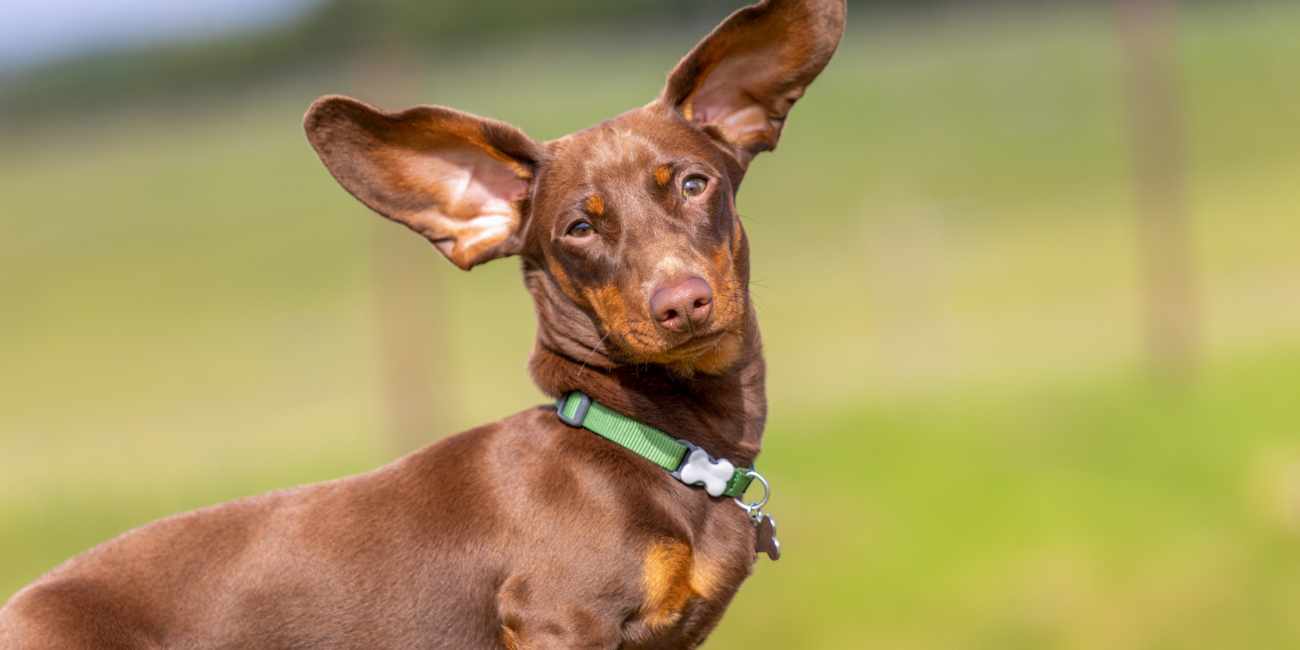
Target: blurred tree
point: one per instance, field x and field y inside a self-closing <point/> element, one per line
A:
<point x="333" y="32"/>
<point x="404" y="295"/>
<point x="1147" y="32"/>
<point x="407" y="338"/>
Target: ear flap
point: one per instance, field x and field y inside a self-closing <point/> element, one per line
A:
<point x="741" y="81"/>
<point x="461" y="181"/>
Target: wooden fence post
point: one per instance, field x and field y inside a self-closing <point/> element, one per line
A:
<point x="403" y="287"/>
<point x="1148" y="30"/>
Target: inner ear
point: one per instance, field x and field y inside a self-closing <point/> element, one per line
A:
<point x="741" y="81"/>
<point x="459" y="180"/>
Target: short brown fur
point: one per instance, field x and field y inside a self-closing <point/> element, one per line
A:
<point x="525" y="533"/>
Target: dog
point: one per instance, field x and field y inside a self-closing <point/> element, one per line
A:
<point x="611" y="520"/>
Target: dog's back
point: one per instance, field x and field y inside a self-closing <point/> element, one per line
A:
<point x="297" y="568"/>
<point x="432" y="551"/>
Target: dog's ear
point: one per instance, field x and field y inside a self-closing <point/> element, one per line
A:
<point x="740" y="82"/>
<point x="461" y="181"/>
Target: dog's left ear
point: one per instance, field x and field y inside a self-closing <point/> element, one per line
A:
<point x="460" y="180"/>
<point x="741" y="81"/>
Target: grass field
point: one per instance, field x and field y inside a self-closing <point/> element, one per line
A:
<point x="966" y="452"/>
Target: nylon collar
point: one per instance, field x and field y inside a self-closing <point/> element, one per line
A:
<point x="685" y="461"/>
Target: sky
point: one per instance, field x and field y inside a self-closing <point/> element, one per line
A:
<point x="36" y="30"/>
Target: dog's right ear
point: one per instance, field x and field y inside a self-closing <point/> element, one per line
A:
<point x="741" y="81"/>
<point x="461" y="181"/>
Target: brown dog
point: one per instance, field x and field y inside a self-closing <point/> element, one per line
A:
<point x="526" y="533"/>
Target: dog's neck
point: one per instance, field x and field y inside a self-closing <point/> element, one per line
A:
<point x="724" y="413"/>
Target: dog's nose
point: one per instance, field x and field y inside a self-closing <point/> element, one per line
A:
<point x="682" y="305"/>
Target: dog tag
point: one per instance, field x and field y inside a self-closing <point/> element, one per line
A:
<point x="766" y="541"/>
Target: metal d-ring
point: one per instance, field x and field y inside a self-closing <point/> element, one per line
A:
<point x="757" y="506"/>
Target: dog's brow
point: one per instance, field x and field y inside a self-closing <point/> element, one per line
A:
<point x="664" y="173"/>
<point x="594" y="205"/>
<point x="616" y="145"/>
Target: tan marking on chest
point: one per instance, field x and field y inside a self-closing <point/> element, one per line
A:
<point x="673" y="577"/>
<point x="509" y="639"/>
<point x="707" y="578"/>
<point x="667" y="579"/>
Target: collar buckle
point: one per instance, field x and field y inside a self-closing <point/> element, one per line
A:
<point x="699" y="467"/>
<point x="686" y="458"/>
<point x="579" y="414"/>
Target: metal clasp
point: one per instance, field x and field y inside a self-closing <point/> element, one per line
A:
<point x="579" y="415"/>
<point x="755" y="509"/>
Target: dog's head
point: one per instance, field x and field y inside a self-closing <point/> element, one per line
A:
<point x="631" y="244"/>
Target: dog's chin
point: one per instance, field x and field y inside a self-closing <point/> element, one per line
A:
<point x="710" y="353"/>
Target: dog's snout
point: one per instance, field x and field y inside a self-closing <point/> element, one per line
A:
<point x="682" y="305"/>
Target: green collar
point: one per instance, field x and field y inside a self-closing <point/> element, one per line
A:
<point x="685" y="461"/>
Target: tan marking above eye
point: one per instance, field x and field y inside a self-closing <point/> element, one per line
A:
<point x="663" y="174"/>
<point x="594" y="205"/>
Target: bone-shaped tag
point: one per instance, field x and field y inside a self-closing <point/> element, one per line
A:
<point x="699" y="469"/>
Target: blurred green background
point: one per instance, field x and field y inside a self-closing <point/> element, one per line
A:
<point x="1005" y="412"/>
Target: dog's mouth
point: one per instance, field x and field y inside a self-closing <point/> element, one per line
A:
<point x="709" y="351"/>
<point x="697" y="343"/>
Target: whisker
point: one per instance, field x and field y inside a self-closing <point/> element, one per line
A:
<point x="587" y="357"/>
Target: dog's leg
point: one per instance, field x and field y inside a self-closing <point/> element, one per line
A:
<point x="540" y="614"/>
<point x="560" y="634"/>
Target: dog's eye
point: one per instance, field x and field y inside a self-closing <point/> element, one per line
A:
<point x="580" y="229"/>
<point x="694" y="185"/>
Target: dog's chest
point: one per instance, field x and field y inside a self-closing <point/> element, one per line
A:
<point x="685" y="589"/>
<point x="673" y="595"/>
